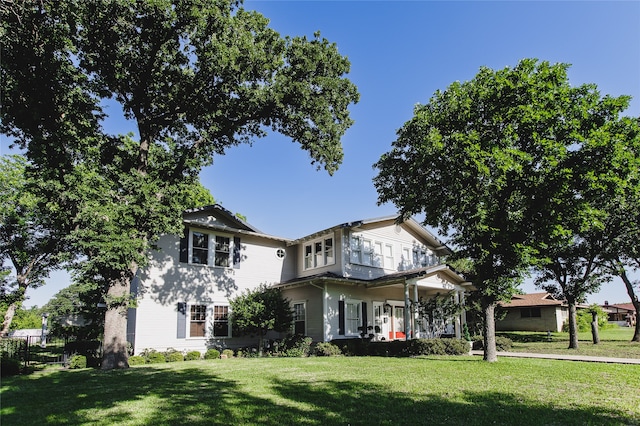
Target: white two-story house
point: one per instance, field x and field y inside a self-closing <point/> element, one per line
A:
<point x="354" y="279"/>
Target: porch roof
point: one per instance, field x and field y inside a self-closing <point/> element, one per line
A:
<point x="421" y="277"/>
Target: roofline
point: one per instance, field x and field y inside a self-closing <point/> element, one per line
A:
<point x="231" y="230"/>
<point x="226" y="212"/>
<point x="385" y="280"/>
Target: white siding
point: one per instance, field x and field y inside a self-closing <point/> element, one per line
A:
<point x="166" y="282"/>
<point x="400" y="240"/>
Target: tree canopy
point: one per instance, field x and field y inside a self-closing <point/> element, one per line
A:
<point x="28" y="241"/>
<point x="492" y="163"/>
<point x="195" y="78"/>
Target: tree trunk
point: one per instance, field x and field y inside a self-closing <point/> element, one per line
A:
<point x="573" y="325"/>
<point x="18" y="298"/>
<point x="636" y="304"/>
<point x="489" y="328"/>
<point x="594" y="328"/>
<point x="8" y="318"/>
<point x="114" y="346"/>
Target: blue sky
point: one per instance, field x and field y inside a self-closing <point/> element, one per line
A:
<point x="401" y="53"/>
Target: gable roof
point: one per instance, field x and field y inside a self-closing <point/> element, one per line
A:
<point x="532" y="299"/>
<point x="231" y="224"/>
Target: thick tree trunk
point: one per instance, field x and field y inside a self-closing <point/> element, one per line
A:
<point x="573" y="326"/>
<point x="114" y="345"/>
<point x="490" y="351"/>
<point x="636" y="304"/>
<point x="594" y="328"/>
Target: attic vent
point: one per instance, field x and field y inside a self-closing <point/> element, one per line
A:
<point x="398" y="229"/>
<point x="280" y="253"/>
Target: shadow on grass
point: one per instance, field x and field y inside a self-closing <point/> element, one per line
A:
<point x="198" y="396"/>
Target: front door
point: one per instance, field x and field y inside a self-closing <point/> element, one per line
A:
<point x="381" y="323"/>
<point x="398" y="323"/>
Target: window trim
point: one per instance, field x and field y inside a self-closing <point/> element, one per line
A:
<point x="358" y="304"/>
<point x="315" y="253"/>
<point x="211" y="248"/>
<point x="213" y="320"/>
<point x="191" y="321"/>
<point x="304" y="320"/>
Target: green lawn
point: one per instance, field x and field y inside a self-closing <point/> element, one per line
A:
<point x="614" y="342"/>
<point x="330" y="391"/>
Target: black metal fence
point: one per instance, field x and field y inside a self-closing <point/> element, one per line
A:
<point x="31" y="350"/>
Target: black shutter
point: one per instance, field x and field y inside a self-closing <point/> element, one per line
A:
<point x="182" y="320"/>
<point x="236" y="252"/>
<point x="341" y="317"/>
<point x="184" y="246"/>
<point x="364" y="319"/>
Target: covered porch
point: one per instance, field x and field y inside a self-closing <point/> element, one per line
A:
<point x="399" y="318"/>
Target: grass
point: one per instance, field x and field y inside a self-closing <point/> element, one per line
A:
<point x="330" y="391"/>
<point x="614" y="342"/>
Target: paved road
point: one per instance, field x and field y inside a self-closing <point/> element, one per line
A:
<point x="565" y="357"/>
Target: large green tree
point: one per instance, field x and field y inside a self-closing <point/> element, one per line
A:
<point x="489" y="163"/>
<point x="28" y="243"/>
<point x="619" y="199"/>
<point x="596" y="220"/>
<point x="195" y="77"/>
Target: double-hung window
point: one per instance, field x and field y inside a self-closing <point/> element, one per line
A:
<point x="352" y="315"/>
<point x="299" y="318"/>
<point x="200" y="248"/>
<point x="388" y="257"/>
<point x="220" y="321"/>
<point x="197" y="320"/>
<point x="222" y="252"/>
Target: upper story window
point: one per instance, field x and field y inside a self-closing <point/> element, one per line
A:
<point x="319" y="253"/>
<point x="200" y="248"/>
<point x="223" y="252"/>
<point x="371" y="253"/>
<point x="203" y="248"/>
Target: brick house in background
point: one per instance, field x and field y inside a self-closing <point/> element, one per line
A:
<point x="533" y="312"/>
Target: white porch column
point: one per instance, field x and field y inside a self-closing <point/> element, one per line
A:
<point x="407" y="311"/>
<point x="416" y="321"/>
<point x="458" y="327"/>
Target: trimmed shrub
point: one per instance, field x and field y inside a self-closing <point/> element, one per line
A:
<point x="174" y="357"/>
<point x="327" y="349"/>
<point x="136" y="360"/>
<point x="227" y="353"/>
<point x="9" y="367"/>
<point x="212" y="354"/>
<point x="502" y="343"/>
<point x="193" y="356"/>
<point x="292" y="347"/>
<point x="77" y="361"/>
<point x="155" y="358"/>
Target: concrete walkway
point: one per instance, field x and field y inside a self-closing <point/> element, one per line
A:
<point x="565" y="357"/>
